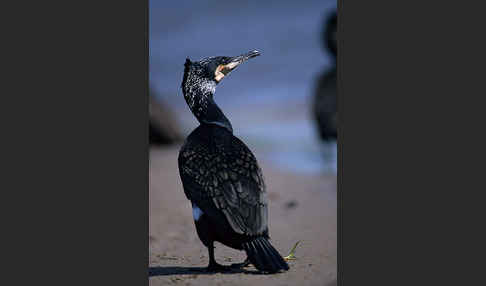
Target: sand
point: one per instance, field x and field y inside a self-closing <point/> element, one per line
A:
<point x="301" y="207"/>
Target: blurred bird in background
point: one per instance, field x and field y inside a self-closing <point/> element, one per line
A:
<point x="325" y="107"/>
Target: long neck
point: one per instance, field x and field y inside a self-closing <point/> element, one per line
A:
<point x="200" y="101"/>
<point x="214" y="115"/>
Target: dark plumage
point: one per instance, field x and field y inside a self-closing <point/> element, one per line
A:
<point x="221" y="176"/>
<point x="325" y="99"/>
<point x="329" y="33"/>
<point x="325" y="105"/>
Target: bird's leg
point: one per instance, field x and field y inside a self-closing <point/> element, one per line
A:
<point x="213" y="265"/>
<point x="241" y="265"/>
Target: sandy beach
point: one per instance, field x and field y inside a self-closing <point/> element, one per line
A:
<point x="301" y="207"/>
<point x="268" y="103"/>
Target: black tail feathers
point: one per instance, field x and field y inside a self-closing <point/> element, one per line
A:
<point x="264" y="256"/>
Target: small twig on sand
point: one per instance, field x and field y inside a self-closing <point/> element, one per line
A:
<point x="291" y="255"/>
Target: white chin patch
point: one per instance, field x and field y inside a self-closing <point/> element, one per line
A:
<point x="196" y="212"/>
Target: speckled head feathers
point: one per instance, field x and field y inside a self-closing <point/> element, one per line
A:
<point x="187" y="65"/>
<point x="214" y="68"/>
<point x="201" y="78"/>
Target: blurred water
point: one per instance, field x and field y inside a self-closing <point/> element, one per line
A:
<point x="266" y="99"/>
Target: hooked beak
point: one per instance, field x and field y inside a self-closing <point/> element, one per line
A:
<point x="224" y="70"/>
<point x="242" y="58"/>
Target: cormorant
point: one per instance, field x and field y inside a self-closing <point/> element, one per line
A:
<point x="325" y="105"/>
<point x="221" y="176"/>
<point x="329" y="34"/>
<point x="325" y="99"/>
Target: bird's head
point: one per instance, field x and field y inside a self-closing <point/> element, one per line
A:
<point x="202" y="77"/>
<point x="208" y="72"/>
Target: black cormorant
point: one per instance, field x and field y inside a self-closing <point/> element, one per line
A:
<point x="221" y="176"/>
<point x="325" y="99"/>
<point x="329" y="34"/>
<point x="325" y="105"/>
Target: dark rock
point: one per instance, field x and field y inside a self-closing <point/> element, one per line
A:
<point x="163" y="127"/>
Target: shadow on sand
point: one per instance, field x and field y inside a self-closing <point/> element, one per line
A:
<point x="178" y="270"/>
